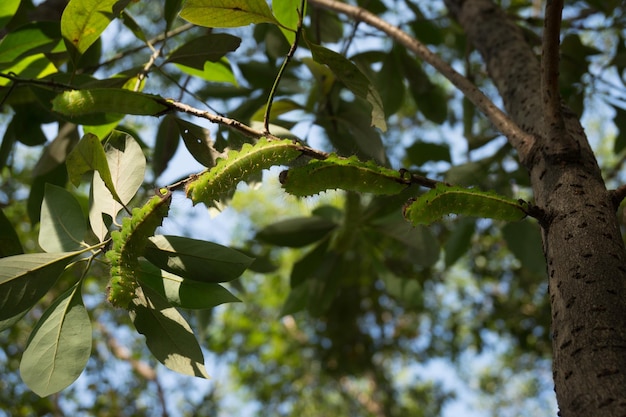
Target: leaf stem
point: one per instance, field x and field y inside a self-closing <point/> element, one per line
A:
<point x="283" y="67"/>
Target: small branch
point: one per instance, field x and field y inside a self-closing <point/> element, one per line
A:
<point x="283" y="67"/>
<point x="553" y="118"/>
<point x="146" y="68"/>
<point x="154" y="41"/>
<point x="520" y="140"/>
<point x="618" y="195"/>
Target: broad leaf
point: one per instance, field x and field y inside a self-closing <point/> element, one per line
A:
<point x="9" y="240"/>
<point x="350" y="75"/>
<point x="7" y="11"/>
<point x="210" y="47"/>
<point x="59" y="346"/>
<point x="524" y="241"/>
<point x="459" y="241"/>
<point x="214" y="72"/>
<point x="286" y="11"/>
<point x="24" y="279"/>
<point x="227" y="13"/>
<point x="182" y="292"/>
<point x="108" y="100"/>
<point x="88" y="155"/>
<point x="63" y="224"/>
<point x="30" y="39"/>
<point x="296" y="232"/>
<point x="166" y="144"/>
<point x="197" y="260"/>
<point x="168" y="335"/>
<point x="83" y="21"/>
<point x="198" y="142"/>
<point x="127" y="165"/>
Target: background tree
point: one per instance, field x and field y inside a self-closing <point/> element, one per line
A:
<point x="371" y="293"/>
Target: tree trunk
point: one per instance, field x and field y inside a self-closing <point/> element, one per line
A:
<point x="582" y="242"/>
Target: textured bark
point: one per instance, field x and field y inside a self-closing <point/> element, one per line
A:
<point x="582" y="241"/>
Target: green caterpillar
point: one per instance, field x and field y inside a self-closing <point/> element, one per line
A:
<point x="217" y="183"/>
<point x="444" y="199"/>
<point x="348" y="174"/>
<point x="129" y="243"/>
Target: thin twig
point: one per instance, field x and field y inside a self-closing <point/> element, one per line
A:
<point x="520" y="140"/>
<point x="154" y="41"/>
<point x="553" y="117"/>
<point x="283" y="67"/>
<point x="146" y="68"/>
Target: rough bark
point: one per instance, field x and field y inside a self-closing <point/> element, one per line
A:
<point x="582" y="241"/>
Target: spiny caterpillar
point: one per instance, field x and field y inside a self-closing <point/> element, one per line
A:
<point x="216" y="184"/>
<point x="444" y="199"/>
<point x="348" y="174"/>
<point x="129" y="243"/>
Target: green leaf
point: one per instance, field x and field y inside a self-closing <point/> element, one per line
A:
<point x="168" y="335"/>
<point x="350" y="75"/>
<point x="459" y="241"/>
<point x="83" y="21"/>
<point x="7" y="11"/>
<point x="524" y="241"/>
<point x="421" y="152"/>
<point x="296" y="232"/>
<point x="423" y="244"/>
<point x="59" y="346"/>
<point x="210" y="47"/>
<point x="198" y="142"/>
<point x="108" y="100"/>
<point x="620" y="123"/>
<point x="434" y="204"/>
<point x="182" y="292"/>
<point x="9" y="240"/>
<point x="63" y="224"/>
<point x="215" y="72"/>
<point x="286" y="11"/>
<point x="197" y="260"/>
<point x="170" y="12"/>
<point x="166" y="144"/>
<point x="227" y="13"/>
<point x="29" y="39"/>
<point x="24" y="279"/>
<point x="305" y="267"/>
<point x="88" y="155"/>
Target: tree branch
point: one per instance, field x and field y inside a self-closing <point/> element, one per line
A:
<point x="553" y="117"/>
<point x="519" y="139"/>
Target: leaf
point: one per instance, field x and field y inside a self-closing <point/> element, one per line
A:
<point x="198" y="142"/>
<point x="227" y="13"/>
<point x="7" y="11"/>
<point x="620" y="123"/>
<point x="59" y="346"/>
<point x="108" y="100"/>
<point x="350" y="75"/>
<point x="459" y="241"/>
<point x="63" y="224"/>
<point x="182" y="292"/>
<point x="170" y="12"/>
<point x="24" y="279"/>
<point x="421" y="152"/>
<point x="306" y="266"/>
<point x="434" y="204"/>
<point x="296" y="232"/>
<point x="197" y="260"/>
<point x="29" y="39"/>
<point x="83" y="21"/>
<point x="524" y="241"/>
<point x="214" y="72"/>
<point x="210" y="47"/>
<point x="9" y="240"/>
<point x="286" y="11"/>
<point x="86" y="156"/>
<point x="166" y="144"/>
<point x="168" y="335"/>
